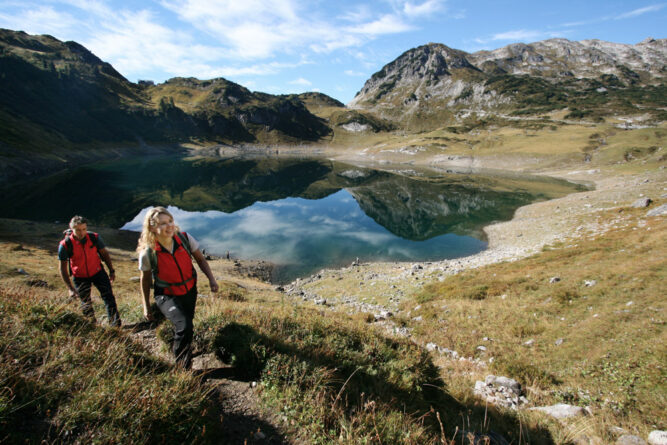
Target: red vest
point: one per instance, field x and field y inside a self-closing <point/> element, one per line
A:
<point x="85" y="260"/>
<point x="175" y="272"/>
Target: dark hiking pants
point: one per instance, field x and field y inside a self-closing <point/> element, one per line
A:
<point x="101" y="281"/>
<point x="180" y="310"/>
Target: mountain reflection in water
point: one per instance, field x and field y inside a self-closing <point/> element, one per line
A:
<point x="300" y="214"/>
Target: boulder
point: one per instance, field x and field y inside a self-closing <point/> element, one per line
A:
<point x="562" y="410"/>
<point x="628" y="439"/>
<point x="657" y="437"/>
<point x="502" y="391"/>
<point x="206" y="361"/>
<point x="642" y="202"/>
<point x="658" y="211"/>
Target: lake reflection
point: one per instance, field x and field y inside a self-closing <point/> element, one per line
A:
<point x="301" y="236"/>
<point x="302" y="214"/>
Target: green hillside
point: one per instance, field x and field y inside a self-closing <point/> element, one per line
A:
<point x="58" y="97"/>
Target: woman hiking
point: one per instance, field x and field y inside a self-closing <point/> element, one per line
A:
<point x="165" y="262"/>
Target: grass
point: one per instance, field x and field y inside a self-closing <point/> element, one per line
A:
<point x="332" y="379"/>
<point x="327" y="379"/>
<point x="66" y="380"/>
<point x="613" y="334"/>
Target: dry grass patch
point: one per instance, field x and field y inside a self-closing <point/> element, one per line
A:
<point x="597" y="336"/>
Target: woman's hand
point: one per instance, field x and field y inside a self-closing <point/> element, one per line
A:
<point x="148" y="315"/>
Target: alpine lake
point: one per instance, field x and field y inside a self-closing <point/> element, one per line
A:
<point x="301" y="215"/>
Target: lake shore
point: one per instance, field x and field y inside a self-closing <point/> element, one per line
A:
<point x="555" y="223"/>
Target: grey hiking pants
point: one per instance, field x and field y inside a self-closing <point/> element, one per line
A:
<point x="180" y="310"/>
<point x="103" y="285"/>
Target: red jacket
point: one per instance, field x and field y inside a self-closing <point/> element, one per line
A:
<point x="84" y="258"/>
<point x="175" y="272"/>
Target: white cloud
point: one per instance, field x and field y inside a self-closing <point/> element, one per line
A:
<point x="387" y="24"/>
<point x="355" y="73"/>
<point x="253" y="29"/>
<point x="518" y="35"/>
<point x="41" y="20"/>
<point x="521" y="35"/>
<point x="641" y="11"/>
<point x="301" y="81"/>
<point x="426" y="8"/>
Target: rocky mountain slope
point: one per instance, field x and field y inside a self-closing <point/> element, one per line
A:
<point x="590" y="79"/>
<point x="56" y="95"/>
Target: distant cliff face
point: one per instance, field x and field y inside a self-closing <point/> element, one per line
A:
<point x="56" y="95"/>
<point x="520" y="78"/>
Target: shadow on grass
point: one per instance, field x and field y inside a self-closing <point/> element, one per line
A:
<point x="361" y="376"/>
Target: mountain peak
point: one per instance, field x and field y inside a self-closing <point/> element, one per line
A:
<point x="539" y="76"/>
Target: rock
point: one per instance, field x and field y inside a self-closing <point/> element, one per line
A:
<point x="22" y="271"/>
<point x="320" y="301"/>
<point x="431" y="347"/>
<point x="502" y="391"/>
<point x="562" y="410"/>
<point x="559" y="342"/>
<point x="658" y="211"/>
<point x="629" y="439"/>
<point x="657" y="437"/>
<point x="481" y="348"/>
<point x="505" y="382"/>
<point x="206" y="361"/>
<point x="590" y="283"/>
<point x="135" y="279"/>
<point x="529" y="342"/>
<point x="554" y="280"/>
<point x="642" y="202"/>
<point x="617" y="431"/>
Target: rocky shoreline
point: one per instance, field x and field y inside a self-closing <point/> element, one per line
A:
<point x="558" y="221"/>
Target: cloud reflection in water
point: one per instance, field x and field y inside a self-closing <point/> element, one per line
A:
<point x="302" y="236"/>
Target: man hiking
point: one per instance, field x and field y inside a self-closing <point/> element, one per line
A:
<point x="81" y="254"/>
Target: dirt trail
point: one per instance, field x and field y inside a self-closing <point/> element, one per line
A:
<point x="236" y="399"/>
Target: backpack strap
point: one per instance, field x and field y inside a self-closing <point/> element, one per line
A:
<point x="183" y="236"/>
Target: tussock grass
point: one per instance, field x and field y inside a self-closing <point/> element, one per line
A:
<point x="64" y="379"/>
<point x="328" y="379"/>
<point x="612" y="351"/>
<point x="334" y="380"/>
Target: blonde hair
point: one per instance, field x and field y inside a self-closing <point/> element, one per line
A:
<point x="147" y="237"/>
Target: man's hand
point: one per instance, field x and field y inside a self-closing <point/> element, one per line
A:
<point x="73" y="292"/>
<point x="112" y="275"/>
<point x="214" y="286"/>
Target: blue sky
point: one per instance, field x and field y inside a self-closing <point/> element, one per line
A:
<point x="293" y="46"/>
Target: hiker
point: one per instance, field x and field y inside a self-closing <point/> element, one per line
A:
<point x="81" y="253"/>
<point x="165" y="261"/>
